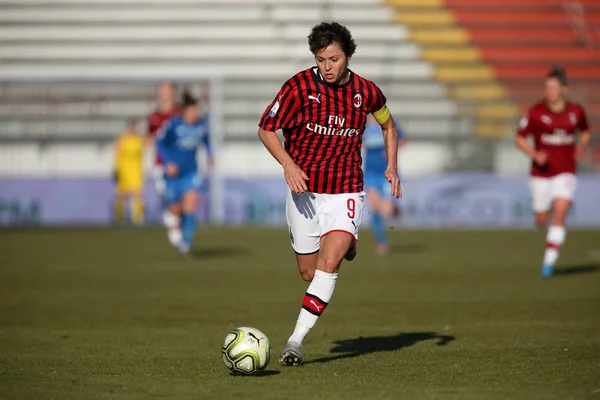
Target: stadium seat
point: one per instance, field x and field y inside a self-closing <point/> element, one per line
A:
<point x="519" y="40"/>
<point x="255" y="46"/>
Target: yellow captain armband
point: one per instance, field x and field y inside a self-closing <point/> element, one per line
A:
<point x="382" y="115"/>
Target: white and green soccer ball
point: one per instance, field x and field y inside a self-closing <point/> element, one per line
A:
<point x="246" y="350"/>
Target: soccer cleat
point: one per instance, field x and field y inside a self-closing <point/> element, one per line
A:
<point x="183" y="248"/>
<point x="291" y="354"/>
<point x="546" y="271"/>
<point x="351" y="253"/>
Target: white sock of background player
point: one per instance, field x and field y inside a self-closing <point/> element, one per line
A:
<point x="554" y="239"/>
<point x="173" y="224"/>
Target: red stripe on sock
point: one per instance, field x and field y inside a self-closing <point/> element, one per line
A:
<point x="552" y="246"/>
<point x="313" y="304"/>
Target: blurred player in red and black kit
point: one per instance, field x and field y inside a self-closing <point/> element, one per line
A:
<point x="165" y="109"/>
<point x="554" y="124"/>
<point x="322" y="112"/>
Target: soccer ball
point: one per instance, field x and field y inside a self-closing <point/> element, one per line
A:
<point x="246" y="350"/>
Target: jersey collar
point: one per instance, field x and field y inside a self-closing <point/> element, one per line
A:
<point x="319" y="77"/>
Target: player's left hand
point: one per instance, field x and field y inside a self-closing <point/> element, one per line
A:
<point x="392" y="176"/>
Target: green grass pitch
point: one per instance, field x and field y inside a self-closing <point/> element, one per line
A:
<point x="116" y="314"/>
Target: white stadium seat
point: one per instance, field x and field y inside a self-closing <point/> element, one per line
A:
<point x="200" y="51"/>
<point x="409" y="70"/>
<point x="65" y="127"/>
<point x="70" y="91"/>
<point x="359" y="32"/>
<point x="360" y="13"/>
<point x="108" y="32"/>
<point x="133" y="15"/>
<point x="234" y="89"/>
<point x="510" y="161"/>
<point x="423" y="158"/>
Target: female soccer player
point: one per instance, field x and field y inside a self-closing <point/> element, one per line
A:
<point x="178" y="142"/>
<point x="129" y="173"/>
<point x="323" y="112"/>
<point x="166" y="108"/>
<point x="553" y="123"/>
<point x="379" y="195"/>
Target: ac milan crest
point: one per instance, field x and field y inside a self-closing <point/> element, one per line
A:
<point x="357" y="100"/>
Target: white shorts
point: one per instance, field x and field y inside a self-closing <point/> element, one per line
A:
<point x="545" y="190"/>
<point x="310" y="216"/>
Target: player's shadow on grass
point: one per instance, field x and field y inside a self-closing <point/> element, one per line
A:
<point x="576" y="269"/>
<point x="350" y="348"/>
<point x="219" y="252"/>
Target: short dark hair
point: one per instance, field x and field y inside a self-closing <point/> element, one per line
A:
<point x="188" y="100"/>
<point x="326" y="33"/>
<point x="558" y="72"/>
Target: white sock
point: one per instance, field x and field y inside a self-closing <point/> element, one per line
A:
<point x="315" y="301"/>
<point x="172" y="223"/>
<point x="554" y="239"/>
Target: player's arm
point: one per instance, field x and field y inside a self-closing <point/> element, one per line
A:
<point x="584" y="135"/>
<point x="522" y="142"/>
<point x="381" y="113"/>
<point x="390" y="139"/>
<point x="584" y="141"/>
<point x="278" y="115"/>
<point x="390" y="135"/>
<point x="294" y="176"/>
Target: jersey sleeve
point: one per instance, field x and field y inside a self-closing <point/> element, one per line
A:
<point x="525" y="124"/>
<point x="281" y="113"/>
<point x="164" y="142"/>
<point x="582" y="122"/>
<point x="151" y="125"/>
<point x="377" y="104"/>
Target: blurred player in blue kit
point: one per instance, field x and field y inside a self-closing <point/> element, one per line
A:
<point x="378" y="190"/>
<point x="178" y="142"/>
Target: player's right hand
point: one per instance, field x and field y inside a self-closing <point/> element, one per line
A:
<point x="295" y="178"/>
<point x="171" y="170"/>
<point x="540" y="158"/>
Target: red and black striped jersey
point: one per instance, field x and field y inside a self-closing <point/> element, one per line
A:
<point x="322" y="126"/>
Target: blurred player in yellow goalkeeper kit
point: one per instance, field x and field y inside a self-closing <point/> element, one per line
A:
<point x="129" y="173"/>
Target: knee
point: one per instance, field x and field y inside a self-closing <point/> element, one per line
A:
<point x="307" y="275"/>
<point x="541" y="221"/>
<point x="330" y="264"/>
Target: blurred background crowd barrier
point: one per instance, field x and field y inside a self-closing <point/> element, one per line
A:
<point x="458" y="75"/>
